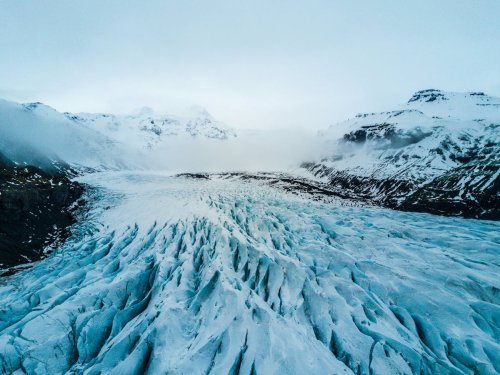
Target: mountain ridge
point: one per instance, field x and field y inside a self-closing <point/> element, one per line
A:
<point x="39" y="135"/>
<point x="437" y="153"/>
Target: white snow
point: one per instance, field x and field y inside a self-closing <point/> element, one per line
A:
<point x="147" y="129"/>
<point x="38" y="135"/>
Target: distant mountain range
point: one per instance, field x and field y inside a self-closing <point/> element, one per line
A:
<point x="147" y="128"/>
<point x="36" y="134"/>
<point x="438" y="153"/>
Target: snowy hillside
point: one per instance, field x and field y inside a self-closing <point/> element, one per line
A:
<point x="440" y="151"/>
<point x="36" y="134"/>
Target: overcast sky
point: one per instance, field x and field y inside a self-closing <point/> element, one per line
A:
<point x="252" y="64"/>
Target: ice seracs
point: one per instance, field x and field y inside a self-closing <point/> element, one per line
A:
<point x="214" y="276"/>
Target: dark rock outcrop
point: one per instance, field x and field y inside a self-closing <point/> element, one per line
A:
<point x="470" y="191"/>
<point x="430" y="95"/>
<point x="476" y="196"/>
<point x="36" y="209"/>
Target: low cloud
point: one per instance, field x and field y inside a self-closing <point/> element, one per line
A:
<point x="250" y="151"/>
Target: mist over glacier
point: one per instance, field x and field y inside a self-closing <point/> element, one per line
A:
<point x="35" y="133"/>
<point x="249" y="151"/>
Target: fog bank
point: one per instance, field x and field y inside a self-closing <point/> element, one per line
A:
<point x="249" y="151"/>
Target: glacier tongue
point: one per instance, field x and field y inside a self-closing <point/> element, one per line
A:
<point x="184" y="276"/>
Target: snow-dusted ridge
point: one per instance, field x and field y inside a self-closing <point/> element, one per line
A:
<point x="147" y="129"/>
<point x="439" y="152"/>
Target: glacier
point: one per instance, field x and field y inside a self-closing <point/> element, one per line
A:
<point x="216" y="275"/>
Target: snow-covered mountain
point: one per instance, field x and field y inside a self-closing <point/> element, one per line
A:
<point x="147" y="129"/>
<point x="36" y="134"/>
<point x="439" y="152"/>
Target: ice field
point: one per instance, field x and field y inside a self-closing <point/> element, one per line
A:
<point x="192" y="276"/>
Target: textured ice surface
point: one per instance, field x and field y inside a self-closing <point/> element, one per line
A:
<point x="182" y="276"/>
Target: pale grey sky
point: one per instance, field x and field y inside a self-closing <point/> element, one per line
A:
<point x="256" y="64"/>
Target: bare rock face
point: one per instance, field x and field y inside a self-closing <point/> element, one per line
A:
<point x="36" y="211"/>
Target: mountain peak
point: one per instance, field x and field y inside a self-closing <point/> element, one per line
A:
<point x="435" y="95"/>
<point x="429" y="95"/>
<point x="38" y="106"/>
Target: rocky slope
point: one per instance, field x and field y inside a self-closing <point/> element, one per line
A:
<point x="438" y="153"/>
<point x="37" y="209"/>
